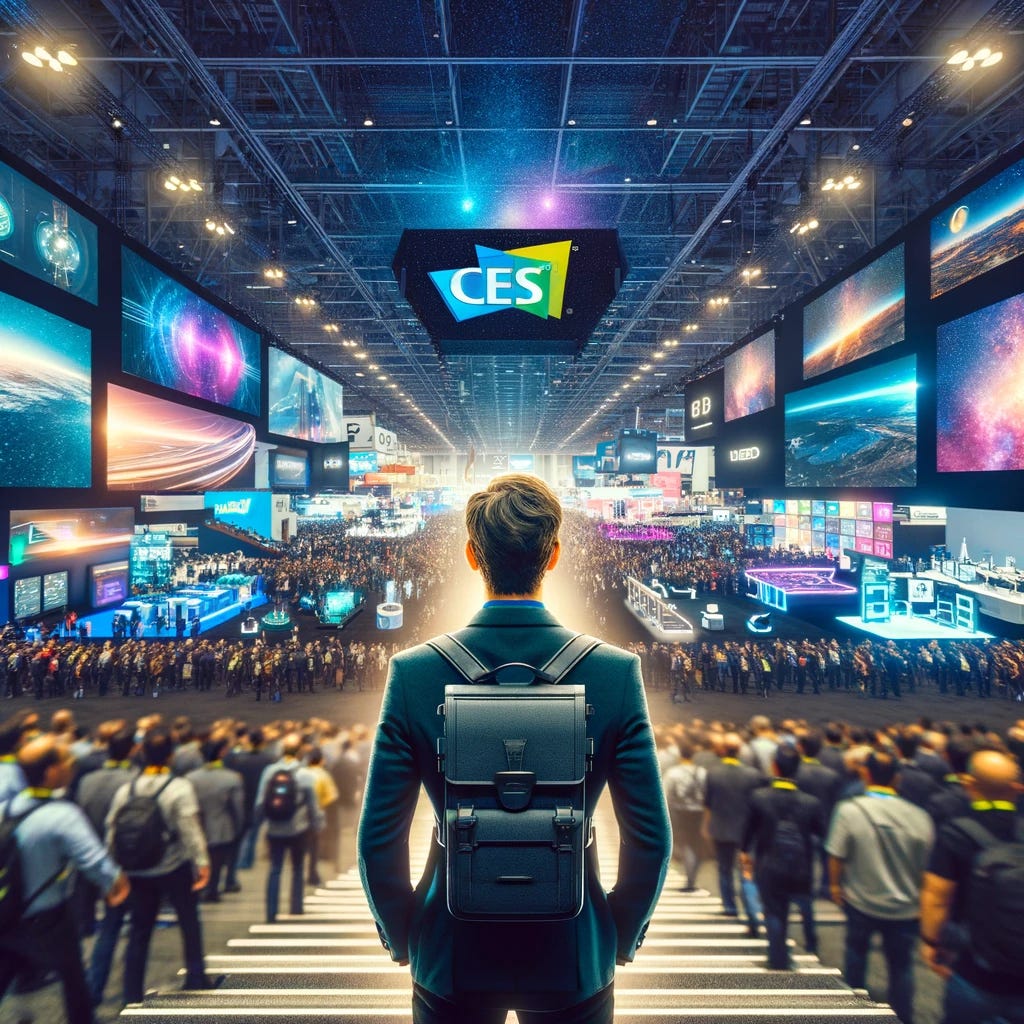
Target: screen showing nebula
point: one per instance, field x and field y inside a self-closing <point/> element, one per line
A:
<point x="154" y="445"/>
<point x="172" y="337"/>
<point x="45" y="237"/>
<point x="860" y="315"/>
<point x="45" y="379"/>
<point x="859" y="430"/>
<point x="980" y="232"/>
<point x="979" y="390"/>
<point x="303" y="403"/>
<point x="750" y="378"/>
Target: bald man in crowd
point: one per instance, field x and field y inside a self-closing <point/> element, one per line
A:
<point x="971" y="936"/>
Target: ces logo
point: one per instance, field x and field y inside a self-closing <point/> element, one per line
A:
<point x="531" y="279"/>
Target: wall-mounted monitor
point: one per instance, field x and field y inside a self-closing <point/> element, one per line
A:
<point x="28" y="597"/>
<point x="65" y="532"/>
<point x="43" y="236"/>
<point x="979" y="390"/>
<point x="108" y="583"/>
<point x="979" y="232"/>
<point x="750" y="378"/>
<point x="860" y="315"/>
<point x="857" y="431"/>
<point x="303" y="402"/>
<point x="155" y="445"/>
<point x="45" y="398"/>
<point x="288" y="470"/>
<point x="55" y="590"/>
<point x="172" y="337"/>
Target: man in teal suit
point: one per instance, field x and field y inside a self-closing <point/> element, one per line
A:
<point x="472" y="972"/>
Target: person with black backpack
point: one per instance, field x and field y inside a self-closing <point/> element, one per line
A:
<point x="779" y="853"/>
<point x="537" y="722"/>
<point x="972" y="899"/>
<point x="154" y="832"/>
<point x="43" y="840"/>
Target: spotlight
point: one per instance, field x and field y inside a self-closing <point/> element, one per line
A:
<point x="30" y="58"/>
<point x="750" y="273"/>
<point x="219" y="227"/>
<point x="116" y="123"/>
<point x="368" y="122"/>
<point x="215" y="122"/>
<point x="67" y="59"/>
<point x="467" y="205"/>
<point x="273" y="273"/>
<point x="984" y="57"/>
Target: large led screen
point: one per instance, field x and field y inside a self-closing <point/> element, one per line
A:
<point x="750" y="378"/>
<point x="55" y="590"/>
<point x="982" y="231"/>
<point x="154" y="445"/>
<point x="45" y="398"/>
<point x="979" y="390"/>
<point x="172" y="337"/>
<point x="108" y="583"/>
<point x="45" y="237"/>
<point x="704" y="408"/>
<point x="303" y="403"/>
<point x="53" y="533"/>
<point x="860" y="315"/>
<point x="638" y="451"/>
<point x="288" y="470"/>
<point x="859" y="430"/>
<point x="28" y="596"/>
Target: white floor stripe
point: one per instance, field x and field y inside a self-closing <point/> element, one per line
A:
<point x="706" y="1011"/>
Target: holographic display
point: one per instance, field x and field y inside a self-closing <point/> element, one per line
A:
<point x="979" y="390"/>
<point x="303" y="403"/>
<point x="980" y="232"/>
<point x="860" y="315"/>
<point x="45" y="378"/>
<point x="750" y="378"/>
<point x="155" y="445"/>
<point x="172" y="337"/>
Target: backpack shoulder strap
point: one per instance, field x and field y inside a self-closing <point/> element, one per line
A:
<point x="467" y="664"/>
<point x="574" y="650"/>
<point x="977" y="832"/>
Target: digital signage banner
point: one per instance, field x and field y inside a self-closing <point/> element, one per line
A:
<point x="331" y="467"/>
<point x="543" y="289"/>
<point x="46" y="238"/>
<point x="584" y="470"/>
<point x="607" y="457"/>
<point x="704" y="408"/>
<point x="288" y="470"/>
<point x="248" y="510"/>
<point x="638" y="451"/>
<point x="360" y="463"/>
<point x="303" y="402"/>
<point x="174" y="338"/>
<point x="45" y="378"/>
<point x="676" y="459"/>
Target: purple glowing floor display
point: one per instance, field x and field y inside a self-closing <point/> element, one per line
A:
<point x="775" y="586"/>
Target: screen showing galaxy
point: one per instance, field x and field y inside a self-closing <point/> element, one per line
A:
<point x="750" y="378"/>
<point x="172" y="337"/>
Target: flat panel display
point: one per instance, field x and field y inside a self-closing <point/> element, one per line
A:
<point x="172" y="337"/>
<point x="248" y="510"/>
<point x="55" y="590"/>
<point x="108" y="583"/>
<point x="980" y="232"/>
<point x="53" y="533"/>
<point x="155" y="445"/>
<point x="521" y="463"/>
<point x="45" y="378"/>
<point x="288" y="470"/>
<point x="303" y="402"/>
<point x="495" y="292"/>
<point x="331" y="467"/>
<point x="860" y="315"/>
<point x="859" y="430"/>
<point x="979" y="390"/>
<point x="361" y="463"/>
<point x="584" y="470"/>
<point x="638" y="451"/>
<point x="28" y="597"/>
<point x="43" y="236"/>
<point x="704" y="408"/>
<point x="750" y="378"/>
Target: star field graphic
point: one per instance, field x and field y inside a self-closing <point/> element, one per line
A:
<point x="982" y="231"/>
<point x="45" y="378"/>
<point x="750" y="378"/>
<point x="979" y="390"/>
<point x="172" y="337"/>
<point x="860" y="315"/>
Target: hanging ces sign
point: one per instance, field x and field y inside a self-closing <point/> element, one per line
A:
<point x="531" y="279"/>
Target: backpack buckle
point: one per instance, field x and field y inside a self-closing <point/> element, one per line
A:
<point x="565" y="824"/>
<point x="515" y="789"/>
<point x="465" y="824"/>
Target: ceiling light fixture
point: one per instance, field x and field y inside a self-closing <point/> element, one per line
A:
<point x="368" y="122"/>
<point x="334" y="329"/>
<point x="651" y="122"/>
<point x="215" y="122"/>
<point x="305" y="301"/>
<point x="805" y="121"/>
<point x="273" y="273"/>
<point x="984" y="57"/>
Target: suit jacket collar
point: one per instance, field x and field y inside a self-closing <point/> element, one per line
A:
<point x="513" y="615"/>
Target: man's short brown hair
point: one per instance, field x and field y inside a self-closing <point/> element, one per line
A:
<point x="513" y="528"/>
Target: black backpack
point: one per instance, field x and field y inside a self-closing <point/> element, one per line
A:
<point x="12" y="877"/>
<point x="995" y="899"/>
<point x="140" y="833"/>
<point x="515" y="754"/>
<point x="281" y="797"/>
<point x="788" y="860"/>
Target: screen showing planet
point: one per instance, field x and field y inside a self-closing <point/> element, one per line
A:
<point x="172" y="337"/>
<point x="979" y="232"/>
<point x="45" y="398"/>
<point x="978" y="391"/>
<point x="857" y="431"/>
<point x="750" y="378"/>
<point x="860" y="315"/>
<point x="303" y="403"/>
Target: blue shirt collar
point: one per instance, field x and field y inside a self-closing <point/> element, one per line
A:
<point x="507" y="602"/>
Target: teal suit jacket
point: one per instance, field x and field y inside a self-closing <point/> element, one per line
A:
<point x="544" y="961"/>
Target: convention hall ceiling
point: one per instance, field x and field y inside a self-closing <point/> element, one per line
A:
<point x="320" y="129"/>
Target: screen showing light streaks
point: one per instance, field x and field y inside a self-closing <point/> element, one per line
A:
<point x="172" y="337"/>
<point x="45" y="378"/>
<point x="750" y="378"/>
<point x="979" y="390"/>
<point x="155" y="445"/>
<point x="303" y="403"/>
<point x="860" y="315"/>
<point x="61" y="533"/>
